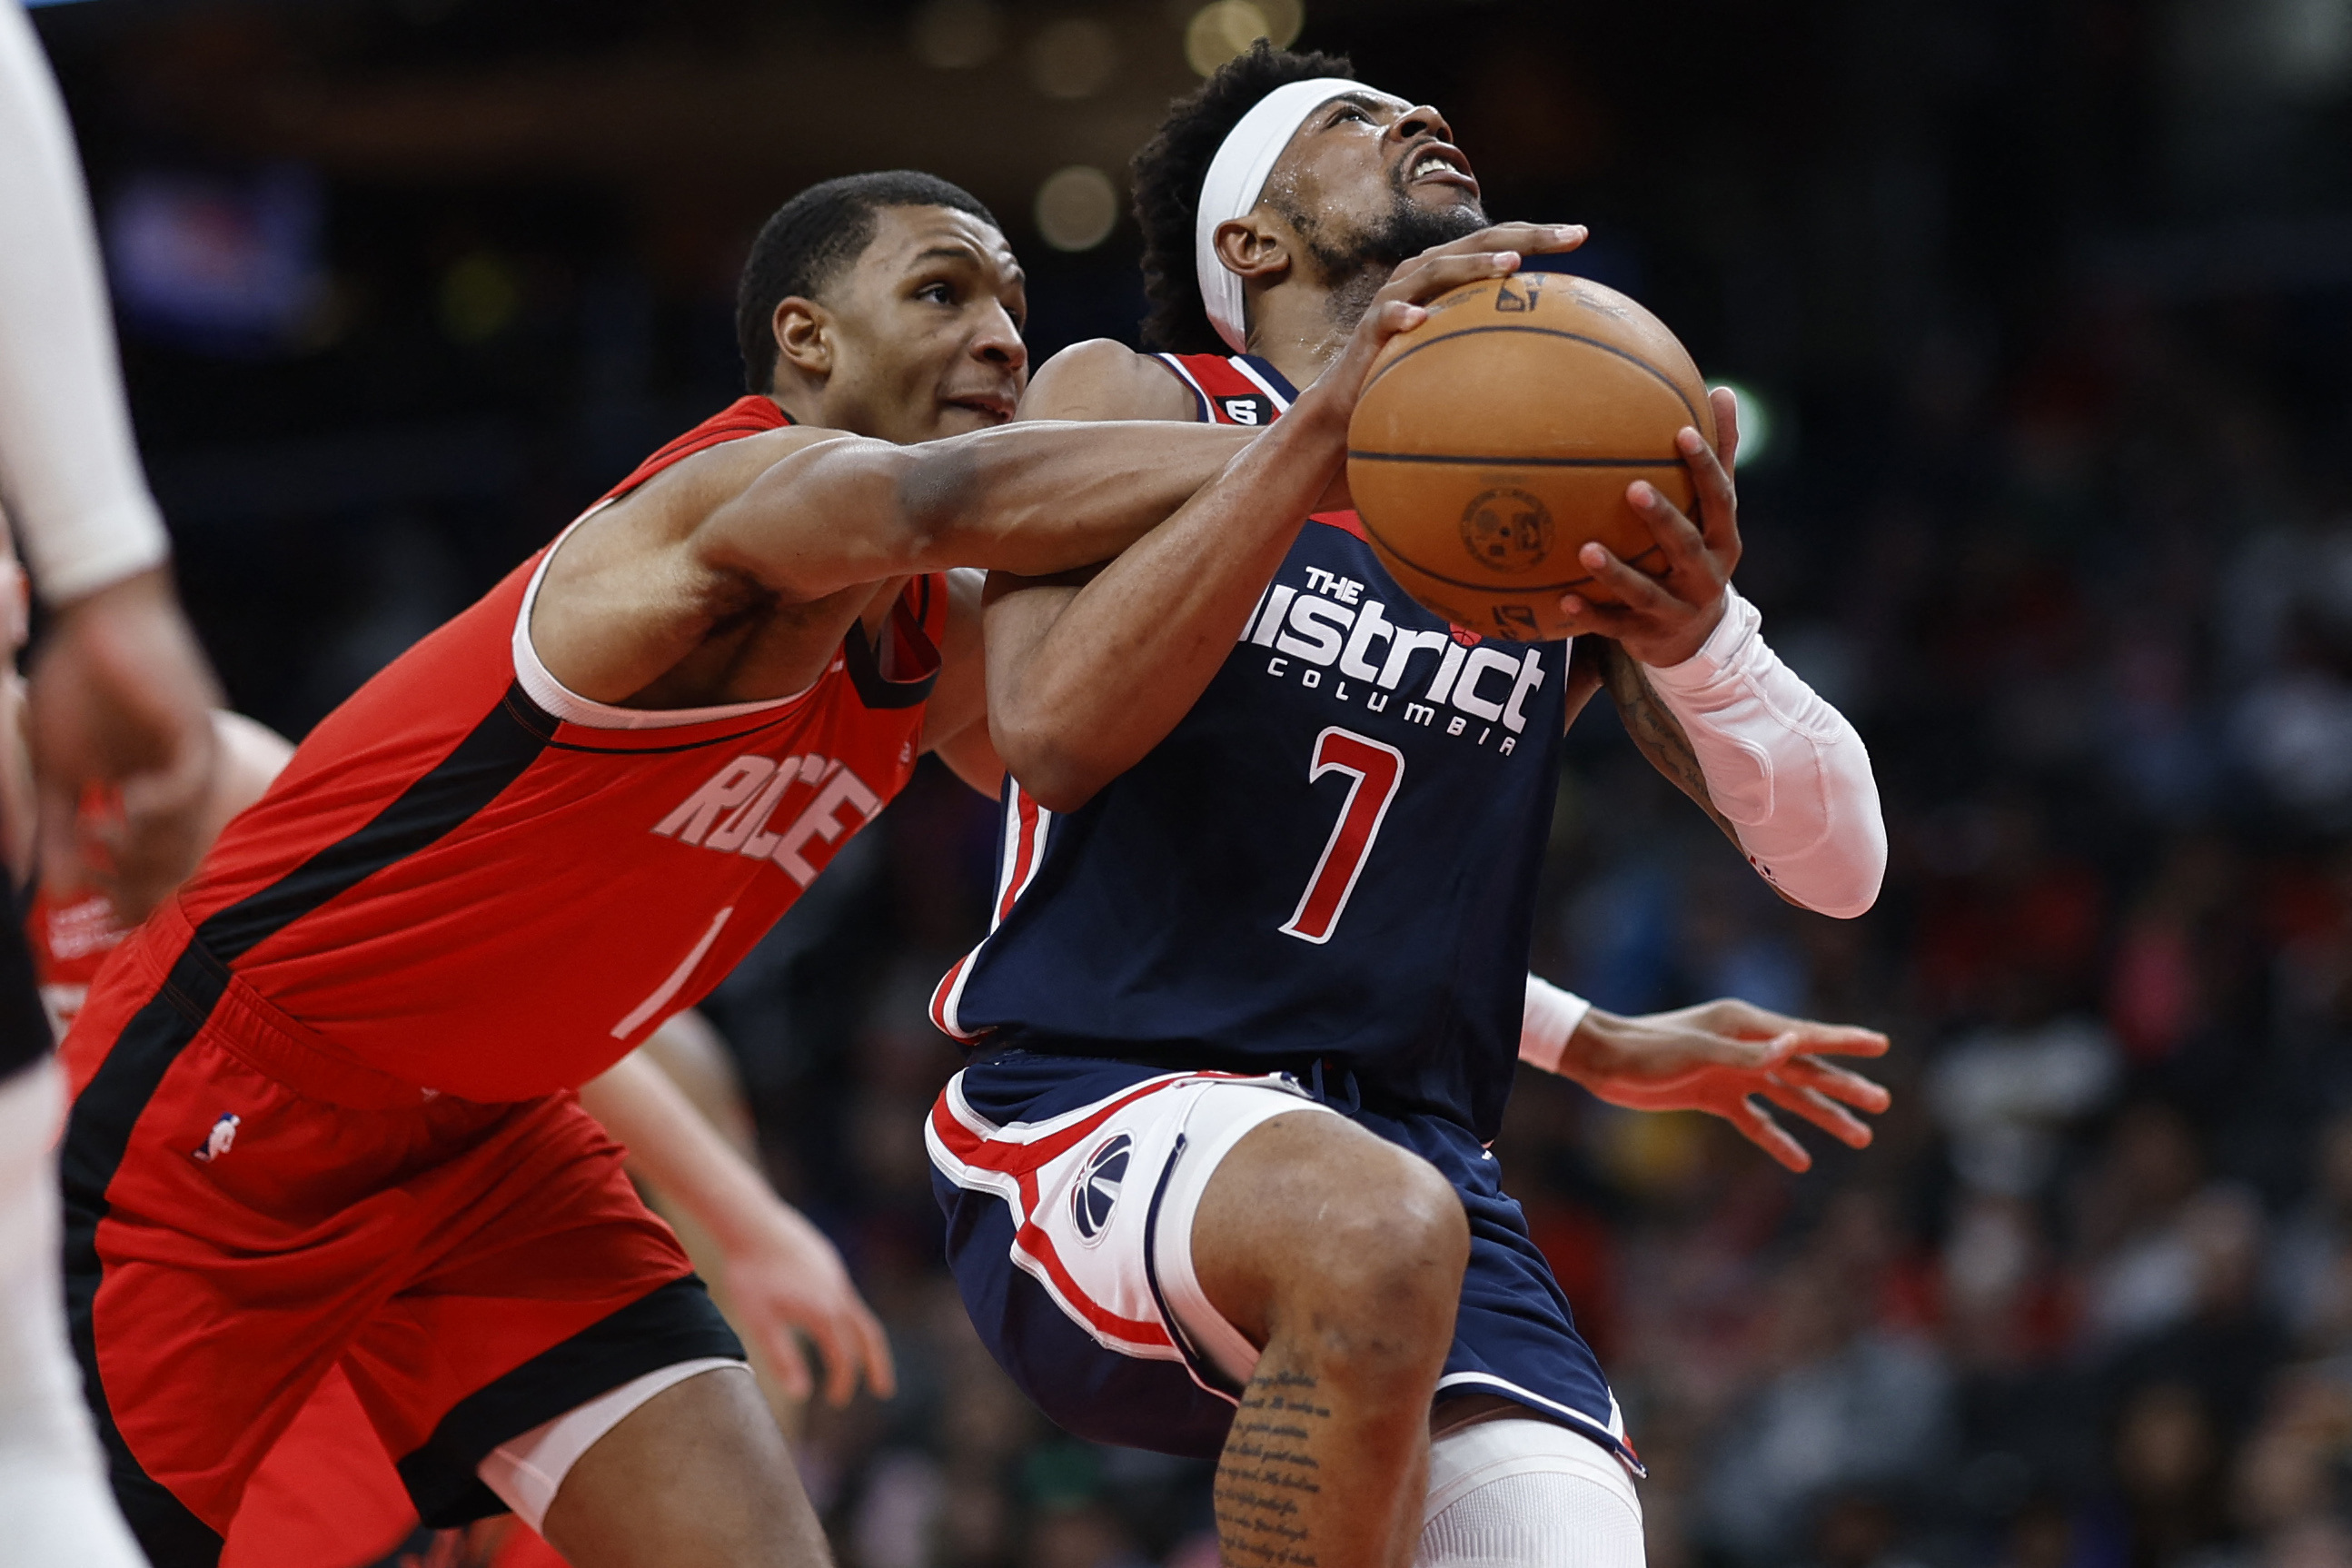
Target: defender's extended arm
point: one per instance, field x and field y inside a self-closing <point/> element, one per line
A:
<point x="1030" y="497"/>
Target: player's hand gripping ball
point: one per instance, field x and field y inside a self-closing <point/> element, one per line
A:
<point x="1491" y="442"/>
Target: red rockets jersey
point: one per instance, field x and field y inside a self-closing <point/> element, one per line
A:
<point x="475" y="881"/>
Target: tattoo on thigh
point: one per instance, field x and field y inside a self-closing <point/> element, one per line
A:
<point x="1268" y="1472"/>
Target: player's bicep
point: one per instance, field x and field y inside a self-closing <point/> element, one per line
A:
<point x="1103" y="379"/>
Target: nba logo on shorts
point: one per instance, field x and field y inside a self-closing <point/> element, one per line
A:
<point x="1096" y="1192"/>
<point x="222" y="1137"/>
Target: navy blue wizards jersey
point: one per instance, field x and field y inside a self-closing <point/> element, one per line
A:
<point x="1332" y="858"/>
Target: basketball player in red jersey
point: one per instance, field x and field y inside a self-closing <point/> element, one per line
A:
<point x="327" y="1486"/>
<point x="321" y="1114"/>
<point x="1318" y="1265"/>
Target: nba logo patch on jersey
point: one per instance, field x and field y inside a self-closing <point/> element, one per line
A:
<point x="1250" y="410"/>
<point x="1095" y="1194"/>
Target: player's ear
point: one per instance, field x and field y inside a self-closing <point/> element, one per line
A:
<point x="1253" y="248"/>
<point x="803" y="336"/>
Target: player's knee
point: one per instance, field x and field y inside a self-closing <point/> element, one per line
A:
<point x="1347" y="1247"/>
<point x="1381" y="1273"/>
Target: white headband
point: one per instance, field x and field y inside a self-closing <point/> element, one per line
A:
<point x="1236" y="179"/>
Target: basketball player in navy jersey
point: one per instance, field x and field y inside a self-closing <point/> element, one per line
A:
<point x="1214" y="1175"/>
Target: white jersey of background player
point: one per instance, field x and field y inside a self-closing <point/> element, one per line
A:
<point x="120" y="696"/>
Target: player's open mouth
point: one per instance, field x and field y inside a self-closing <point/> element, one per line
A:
<point x="1439" y="164"/>
<point x="994" y="409"/>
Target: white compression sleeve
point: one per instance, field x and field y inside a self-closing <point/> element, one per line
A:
<point x="1784" y="766"/>
<point x="67" y="469"/>
<point x="1549" y="1016"/>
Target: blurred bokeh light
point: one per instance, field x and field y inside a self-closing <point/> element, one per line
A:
<point x="957" y="34"/>
<point x="1077" y="207"/>
<point x="1223" y="28"/>
<point x="1072" y="57"/>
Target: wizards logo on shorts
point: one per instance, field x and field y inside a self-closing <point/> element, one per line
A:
<point x="1096" y="1192"/>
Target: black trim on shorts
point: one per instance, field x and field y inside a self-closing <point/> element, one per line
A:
<point x="97" y="1131"/>
<point x="414" y="1548"/>
<point x="100" y="1127"/>
<point x="23" y="1022"/>
<point x="1206" y="1372"/>
<point x="673" y="1323"/>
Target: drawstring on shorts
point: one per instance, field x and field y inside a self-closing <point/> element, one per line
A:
<point x="1314" y="1086"/>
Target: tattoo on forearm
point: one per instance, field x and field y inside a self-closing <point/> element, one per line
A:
<point x="1657" y="733"/>
<point x="1660" y="736"/>
<point x="1268" y="1471"/>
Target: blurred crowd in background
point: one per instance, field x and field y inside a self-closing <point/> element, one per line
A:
<point x="2042" y="307"/>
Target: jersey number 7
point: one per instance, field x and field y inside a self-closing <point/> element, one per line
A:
<point x="1374" y="769"/>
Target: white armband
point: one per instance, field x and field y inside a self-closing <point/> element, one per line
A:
<point x="1785" y="767"/>
<point x="69" y="471"/>
<point x="1549" y="1017"/>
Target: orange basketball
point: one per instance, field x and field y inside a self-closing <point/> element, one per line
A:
<point x="1497" y="438"/>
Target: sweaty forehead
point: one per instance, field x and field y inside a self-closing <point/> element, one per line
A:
<point x="1382" y="107"/>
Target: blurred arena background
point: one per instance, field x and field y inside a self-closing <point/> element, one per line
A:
<point x="2043" y="308"/>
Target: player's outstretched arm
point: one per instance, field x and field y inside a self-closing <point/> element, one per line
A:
<point x="1718" y="1056"/>
<point x="781" y="1272"/>
<point x="1782" y="773"/>
<point x="1084" y="678"/>
<point x="768" y="524"/>
<point x="1028" y="498"/>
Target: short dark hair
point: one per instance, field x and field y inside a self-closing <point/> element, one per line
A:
<point x="1168" y="172"/>
<point x="805" y="245"/>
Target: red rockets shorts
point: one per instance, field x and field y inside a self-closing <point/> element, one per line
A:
<point x="244" y="1213"/>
